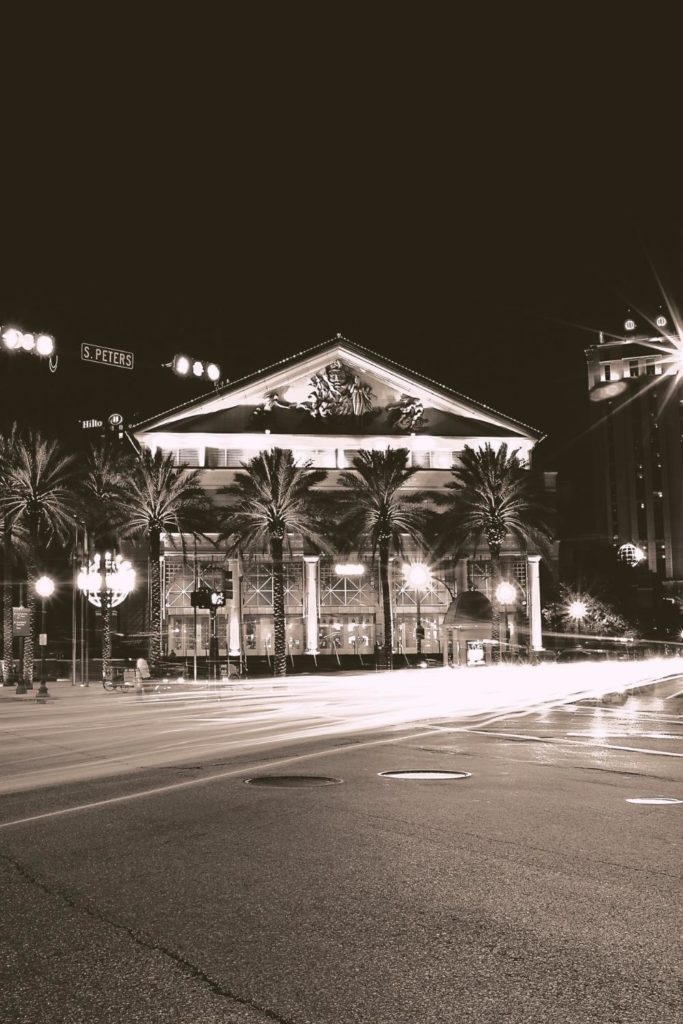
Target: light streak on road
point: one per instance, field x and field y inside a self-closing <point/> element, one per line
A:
<point x="65" y="741"/>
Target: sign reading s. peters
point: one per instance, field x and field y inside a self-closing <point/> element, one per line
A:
<point x="107" y="356"/>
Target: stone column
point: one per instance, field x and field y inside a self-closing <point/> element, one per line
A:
<point x="534" y="603"/>
<point x="461" y="576"/>
<point x="235" y="623"/>
<point x="311" y="563"/>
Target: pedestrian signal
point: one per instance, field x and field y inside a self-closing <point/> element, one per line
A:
<point x="200" y="598"/>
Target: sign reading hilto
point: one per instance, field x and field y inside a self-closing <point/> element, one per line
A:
<point x="107" y="356"/>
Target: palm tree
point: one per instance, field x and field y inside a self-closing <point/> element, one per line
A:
<point x="379" y="514"/>
<point x="273" y="498"/>
<point x="39" y="501"/>
<point x="7" y="446"/>
<point x="493" y="496"/>
<point x="162" y="497"/>
<point x="104" y="494"/>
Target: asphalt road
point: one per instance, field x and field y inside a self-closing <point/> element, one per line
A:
<point x="143" y="880"/>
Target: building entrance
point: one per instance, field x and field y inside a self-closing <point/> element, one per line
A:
<point x="347" y="633"/>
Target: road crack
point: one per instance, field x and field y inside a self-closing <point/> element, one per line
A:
<point x="142" y="940"/>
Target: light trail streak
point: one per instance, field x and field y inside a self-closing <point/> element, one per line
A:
<point x="188" y="783"/>
<point x="319" y="708"/>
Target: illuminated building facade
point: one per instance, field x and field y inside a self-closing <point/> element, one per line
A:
<point x="636" y="439"/>
<point x="326" y="404"/>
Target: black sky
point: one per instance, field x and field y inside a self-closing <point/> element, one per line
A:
<point x="468" y="207"/>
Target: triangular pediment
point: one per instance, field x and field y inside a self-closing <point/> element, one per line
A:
<point x="333" y="388"/>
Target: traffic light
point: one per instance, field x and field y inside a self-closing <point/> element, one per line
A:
<point x="217" y="598"/>
<point x="200" y="598"/>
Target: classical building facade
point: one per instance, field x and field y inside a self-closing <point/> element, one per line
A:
<point x="325" y="404"/>
<point x="636" y="438"/>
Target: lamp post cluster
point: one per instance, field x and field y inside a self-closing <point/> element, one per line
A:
<point x="106" y="580"/>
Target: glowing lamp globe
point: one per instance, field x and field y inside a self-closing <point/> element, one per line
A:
<point x="578" y="609"/>
<point x="213" y="372"/>
<point x="181" y="365"/>
<point x="506" y="593"/>
<point x="112" y="578"/>
<point x="45" y="587"/>
<point x="198" y="368"/>
<point x="416" y="574"/>
<point x="28" y="342"/>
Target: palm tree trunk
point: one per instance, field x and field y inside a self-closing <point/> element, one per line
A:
<point x="495" y="617"/>
<point x="279" y="631"/>
<point x="106" y="638"/>
<point x="29" y="639"/>
<point x="154" y="599"/>
<point x="7" y="622"/>
<point x="386" y="604"/>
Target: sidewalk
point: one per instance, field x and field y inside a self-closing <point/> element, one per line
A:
<point x="59" y="690"/>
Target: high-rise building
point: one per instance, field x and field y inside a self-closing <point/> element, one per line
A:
<point x="636" y="437"/>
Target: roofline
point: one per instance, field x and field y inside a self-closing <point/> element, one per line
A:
<point x="332" y="343"/>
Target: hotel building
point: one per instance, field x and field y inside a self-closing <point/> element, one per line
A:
<point x="326" y="404"/>
<point x="636" y="436"/>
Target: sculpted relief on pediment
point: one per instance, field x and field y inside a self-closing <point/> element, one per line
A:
<point x="338" y="392"/>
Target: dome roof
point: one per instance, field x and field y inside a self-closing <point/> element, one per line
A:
<point x="470" y="606"/>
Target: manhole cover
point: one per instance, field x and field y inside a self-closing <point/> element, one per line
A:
<point x="419" y="773"/>
<point x="292" y="780"/>
<point x="653" y="800"/>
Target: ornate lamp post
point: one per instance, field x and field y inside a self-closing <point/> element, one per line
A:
<point x="45" y="588"/>
<point x="418" y="577"/>
<point x="577" y="610"/>
<point x="506" y="595"/>
<point x="106" y="581"/>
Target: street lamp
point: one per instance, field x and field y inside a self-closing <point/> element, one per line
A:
<point x="418" y="577"/>
<point x="44" y="588"/>
<point x="37" y="344"/>
<point x="188" y="366"/>
<point x="106" y="581"/>
<point x="577" y="610"/>
<point x="506" y="594"/>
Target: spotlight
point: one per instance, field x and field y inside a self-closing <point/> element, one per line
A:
<point x="181" y="365"/>
<point x="213" y="372"/>
<point x="12" y="338"/>
<point x="198" y="368"/>
<point x="36" y="344"/>
<point x="45" y="345"/>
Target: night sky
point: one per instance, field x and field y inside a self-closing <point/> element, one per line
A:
<point x="477" y="212"/>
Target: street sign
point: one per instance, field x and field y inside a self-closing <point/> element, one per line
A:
<point x="20" y="622"/>
<point x="107" y="356"/>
